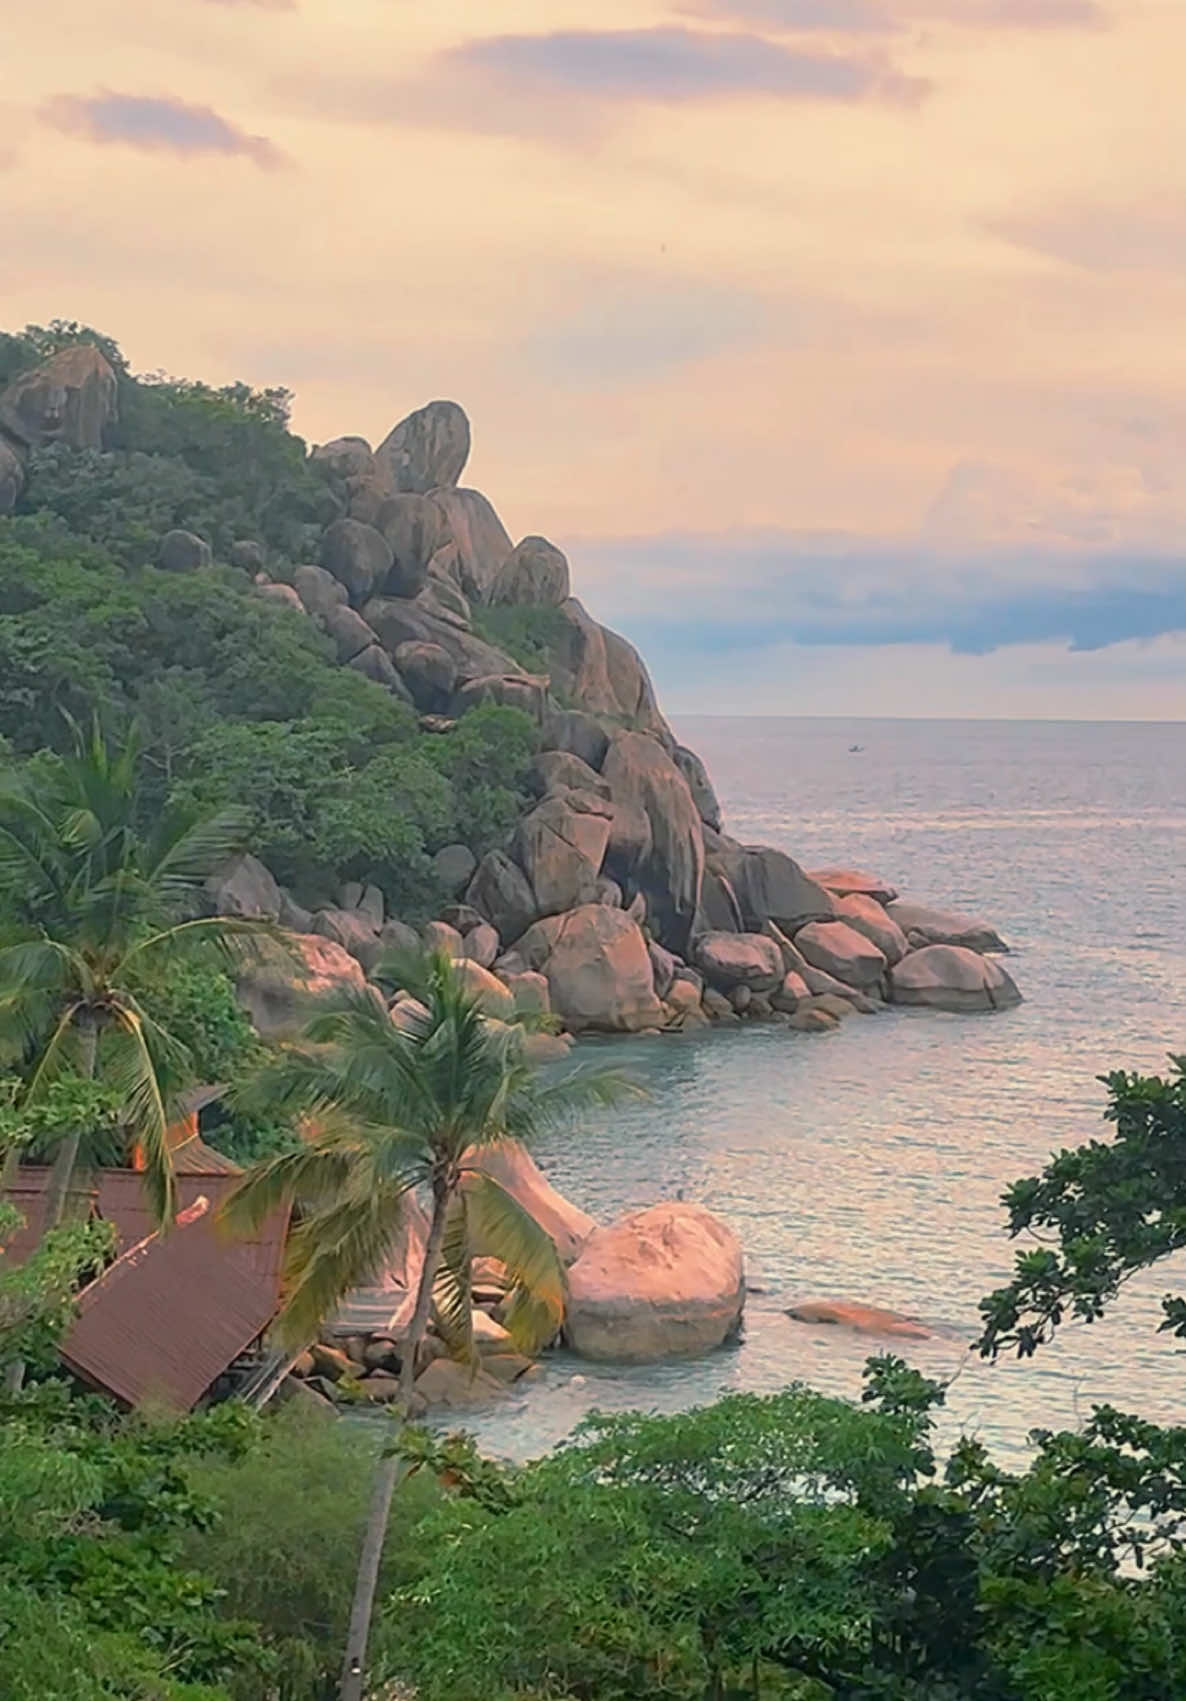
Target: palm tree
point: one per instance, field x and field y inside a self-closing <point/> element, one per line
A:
<point x="390" y="1109"/>
<point x="97" y="913"/>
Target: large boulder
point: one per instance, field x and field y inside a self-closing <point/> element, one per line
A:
<point x="345" y="457"/>
<point x="925" y="926"/>
<point x="352" y="930"/>
<point x="502" y="893"/>
<point x="453" y="868"/>
<point x="414" y="528"/>
<point x="71" y="398"/>
<point x="601" y="673"/>
<point x="534" y="573"/>
<point x="699" y="784"/>
<point x="457" y="1387"/>
<point x="645" y="783"/>
<point x="403" y="620"/>
<point x="597" y="967"/>
<point x="840" y="950"/>
<point x="578" y="733"/>
<point x="509" y="1164"/>
<point x="349" y="631"/>
<point x="952" y="977"/>
<point x="664" y="1283"/>
<point x="867" y="916"/>
<point x="429" y="672"/>
<point x="480" y="537"/>
<point x="486" y="990"/>
<point x="277" y="992"/>
<point x="183" y="552"/>
<point x="526" y="692"/>
<point x="739" y="959"/>
<point x="849" y="882"/>
<point x="719" y="910"/>
<point x="318" y="590"/>
<point x="374" y="663"/>
<point x="560" y="771"/>
<point x="358" y="556"/>
<point x="12" y="477"/>
<point x="244" y="887"/>
<point x="770" y="886"/>
<point x="426" y="450"/>
<point x="560" y="849"/>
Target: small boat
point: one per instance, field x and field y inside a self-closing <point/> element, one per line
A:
<point x="856" y="749"/>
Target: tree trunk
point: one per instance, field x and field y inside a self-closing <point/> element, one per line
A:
<point x="57" y="1191"/>
<point x="388" y="1475"/>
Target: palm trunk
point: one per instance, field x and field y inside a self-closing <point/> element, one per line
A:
<point x="388" y="1475"/>
<point x="57" y="1191"/>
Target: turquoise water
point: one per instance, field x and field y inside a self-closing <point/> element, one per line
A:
<point x="869" y="1163"/>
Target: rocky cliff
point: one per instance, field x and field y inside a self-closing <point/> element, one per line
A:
<point x="618" y="900"/>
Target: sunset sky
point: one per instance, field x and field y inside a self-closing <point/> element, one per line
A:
<point x="841" y="343"/>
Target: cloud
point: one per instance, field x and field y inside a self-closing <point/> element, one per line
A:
<point x="674" y="65"/>
<point x="883" y="17"/>
<point x="1125" y="238"/>
<point x="155" y="124"/>
<point x="744" y="593"/>
<point x="628" y="329"/>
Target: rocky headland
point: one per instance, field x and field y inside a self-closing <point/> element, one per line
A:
<point x="618" y="904"/>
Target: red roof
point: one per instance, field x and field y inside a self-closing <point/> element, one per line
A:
<point x="175" y="1310"/>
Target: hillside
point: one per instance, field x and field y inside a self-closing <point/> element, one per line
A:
<point x="421" y="718"/>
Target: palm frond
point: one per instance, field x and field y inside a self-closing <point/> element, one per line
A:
<point x="506" y="1230"/>
<point x="313" y="1177"/>
<point x="538" y="1109"/>
<point x="131" y="1068"/>
<point x="452" y="1288"/>
<point x="39" y="964"/>
<point x="186" y="849"/>
<point x="60" y="1054"/>
<point x="238" y="941"/>
<point x="330" y="1251"/>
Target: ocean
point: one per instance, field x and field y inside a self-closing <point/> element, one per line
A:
<point x="869" y="1163"/>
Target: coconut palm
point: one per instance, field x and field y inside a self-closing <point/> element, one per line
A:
<point x="390" y="1109"/>
<point x="97" y="912"/>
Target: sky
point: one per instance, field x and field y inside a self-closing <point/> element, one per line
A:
<point x="838" y="342"/>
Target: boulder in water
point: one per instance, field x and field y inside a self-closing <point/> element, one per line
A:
<point x="925" y="926"/>
<point x="840" y="950"/>
<point x="952" y="977"/>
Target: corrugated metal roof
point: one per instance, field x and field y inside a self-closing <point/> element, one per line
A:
<point x="173" y="1311"/>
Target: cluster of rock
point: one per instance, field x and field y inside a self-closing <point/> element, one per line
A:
<point x="665" y="1282"/>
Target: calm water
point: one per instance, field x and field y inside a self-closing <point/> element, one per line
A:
<point x="869" y="1163"/>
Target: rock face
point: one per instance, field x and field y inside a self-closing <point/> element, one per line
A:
<point x="668" y="864"/>
<point x="453" y="866"/>
<point x="847" y="882"/>
<point x="426" y="450"/>
<point x="597" y="967"/>
<point x="318" y="590"/>
<point x="358" y="556"/>
<point x="349" y="631"/>
<point x="700" y="786"/>
<point x="739" y="959"/>
<point x="72" y="398"/>
<point x="951" y="977"/>
<point x="560" y="849"/>
<point x="429" y="673"/>
<point x="924" y="926"/>
<point x="276" y="994"/>
<point x="12" y="477"/>
<point x="770" y="886"/>
<point x="578" y="733"/>
<point x="487" y="991"/>
<point x="502" y="893"/>
<point x="667" y="1282"/>
<point x="480" y="539"/>
<point x="414" y="529"/>
<point x="404" y="620"/>
<point x="840" y="950"/>
<point x="183" y="552"/>
<point x="513" y="1168"/>
<point x="867" y="916"/>
<point x="535" y="573"/>
<point x="245" y="887"/>
<point x="346" y="457"/>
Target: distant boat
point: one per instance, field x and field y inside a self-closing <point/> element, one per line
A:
<point x="856" y="749"/>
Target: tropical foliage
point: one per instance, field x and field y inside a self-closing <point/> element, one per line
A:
<point x="96" y="914"/>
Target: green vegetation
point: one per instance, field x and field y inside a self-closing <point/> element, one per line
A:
<point x="531" y="635"/>
<point x="236" y="699"/>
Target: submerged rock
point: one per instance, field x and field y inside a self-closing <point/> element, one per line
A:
<point x="864" y="1319"/>
<point x="666" y="1282"/>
